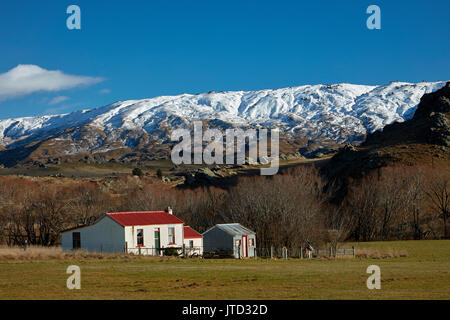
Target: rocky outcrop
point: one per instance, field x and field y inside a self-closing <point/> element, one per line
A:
<point x="439" y="132"/>
<point x="425" y="136"/>
<point x="430" y="123"/>
<point x="218" y="175"/>
<point x="291" y="156"/>
<point x="436" y="102"/>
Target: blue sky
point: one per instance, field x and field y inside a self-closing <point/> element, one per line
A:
<point x="141" y="49"/>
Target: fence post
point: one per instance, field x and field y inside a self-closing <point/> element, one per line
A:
<point x="139" y="250"/>
<point x="271" y="252"/>
<point x="126" y="247"/>
<point x="301" y="252"/>
<point x="353" y="247"/>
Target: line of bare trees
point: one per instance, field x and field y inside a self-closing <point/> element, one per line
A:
<point x="288" y="209"/>
<point x="37" y="212"/>
<point x="292" y="209"/>
<point x="396" y="203"/>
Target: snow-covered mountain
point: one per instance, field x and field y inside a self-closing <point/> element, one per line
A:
<point x="318" y="113"/>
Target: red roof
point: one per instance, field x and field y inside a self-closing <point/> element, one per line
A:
<point x="144" y="218"/>
<point x="190" y="233"/>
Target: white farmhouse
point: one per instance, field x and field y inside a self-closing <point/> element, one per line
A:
<point x="142" y="232"/>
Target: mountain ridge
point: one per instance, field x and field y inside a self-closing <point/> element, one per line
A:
<point x="311" y="118"/>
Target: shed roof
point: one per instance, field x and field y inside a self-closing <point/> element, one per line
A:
<point x="234" y="229"/>
<point x="144" y="218"/>
<point x="190" y="233"/>
<point x="74" y="228"/>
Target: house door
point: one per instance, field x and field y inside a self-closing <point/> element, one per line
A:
<point x="244" y="246"/>
<point x="157" y="242"/>
<point x="76" y="240"/>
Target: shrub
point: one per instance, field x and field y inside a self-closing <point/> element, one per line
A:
<point x="138" y="172"/>
<point x="171" y="252"/>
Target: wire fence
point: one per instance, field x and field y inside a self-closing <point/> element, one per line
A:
<point x="332" y="252"/>
<point x="270" y="252"/>
<point x="303" y="253"/>
<point x="168" y="251"/>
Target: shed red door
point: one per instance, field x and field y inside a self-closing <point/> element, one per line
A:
<point x="244" y="246"/>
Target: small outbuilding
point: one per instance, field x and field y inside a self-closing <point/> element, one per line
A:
<point x="233" y="238"/>
<point x="193" y="242"/>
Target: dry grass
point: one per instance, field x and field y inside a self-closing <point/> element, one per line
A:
<point x="41" y="253"/>
<point x="56" y="253"/>
<point x="380" y="254"/>
<point x="38" y="253"/>
<point x="422" y="274"/>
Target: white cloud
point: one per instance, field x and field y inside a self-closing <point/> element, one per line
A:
<point x="27" y="78"/>
<point x="57" y="100"/>
<point x="105" y="91"/>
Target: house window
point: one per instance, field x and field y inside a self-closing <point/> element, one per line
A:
<point x="171" y="235"/>
<point x="237" y="243"/>
<point x="140" y="237"/>
<point x="191" y="243"/>
<point x="252" y="242"/>
<point x="76" y="240"/>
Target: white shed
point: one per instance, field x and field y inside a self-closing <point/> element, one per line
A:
<point x="144" y="232"/>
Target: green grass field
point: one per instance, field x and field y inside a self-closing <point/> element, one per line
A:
<point x="423" y="274"/>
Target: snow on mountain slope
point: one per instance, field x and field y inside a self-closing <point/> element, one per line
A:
<point x="396" y="101"/>
<point x="341" y="112"/>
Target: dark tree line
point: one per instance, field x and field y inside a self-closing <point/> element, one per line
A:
<point x="288" y="209"/>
